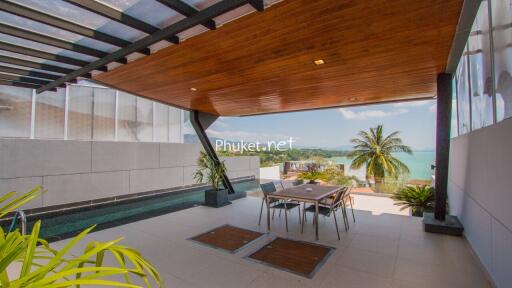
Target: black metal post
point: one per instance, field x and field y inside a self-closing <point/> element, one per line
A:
<point x="201" y="121"/>
<point x="444" y="109"/>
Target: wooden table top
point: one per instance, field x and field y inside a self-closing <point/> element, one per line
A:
<point x="316" y="193"/>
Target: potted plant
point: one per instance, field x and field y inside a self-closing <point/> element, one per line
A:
<point x="312" y="176"/>
<point x="212" y="173"/>
<point x="419" y="198"/>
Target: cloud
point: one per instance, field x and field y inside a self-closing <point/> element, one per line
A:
<point x="412" y="103"/>
<point x="432" y="108"/>
<point x="365" y="114"/>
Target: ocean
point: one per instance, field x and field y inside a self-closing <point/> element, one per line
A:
<point x="419" y="164"/>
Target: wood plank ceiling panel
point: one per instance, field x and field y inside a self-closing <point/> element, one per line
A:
<point x="374" y="51"/>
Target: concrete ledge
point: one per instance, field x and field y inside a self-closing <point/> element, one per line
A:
<point x="450" y="226"/>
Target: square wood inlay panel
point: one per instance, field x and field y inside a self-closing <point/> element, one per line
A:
<point x="297" y="257"/>
<point x="227" y="238"/>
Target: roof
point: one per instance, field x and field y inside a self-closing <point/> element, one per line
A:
<point x="375" y="51"/>
<point x="45" y="44"/>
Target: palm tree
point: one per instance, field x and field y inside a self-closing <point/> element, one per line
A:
<point x="374" y="151"/>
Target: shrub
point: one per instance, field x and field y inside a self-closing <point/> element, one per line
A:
<point x="419" y="198"/>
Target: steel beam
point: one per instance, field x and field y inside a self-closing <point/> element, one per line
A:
<point x="17" y="78"/>
<point x="45" y="55"/>
<point x="37" y="65"/>
<point x="173" y="29"/>
<point x="18" y="84"/>
<point x="29" y="73"/>
<point x="187" y="10"/>
<point x="118" y="16"/>
<point x="257" y="4"/>
<point x="47" y="19"/>
<point x="444" y="110"/>
<point x="201" y="121"/>
<point x="47" y="40"/>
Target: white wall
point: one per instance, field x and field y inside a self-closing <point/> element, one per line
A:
<point x="480" y="193"/>
<point x="270" y="173"/>
<point x="75" y="171"/>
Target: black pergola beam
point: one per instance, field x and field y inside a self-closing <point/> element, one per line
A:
<point x="257" y="4"/>
<point x="29" y="73"/>
<point x="45" y="55"/>
<point x="40" y="38"/>
<point x="18" y="84"/>
<point x="173" y="29"/>
<point x="17" y="78"/>
<point x="187" y="10"/>
<point x="118" y="16"/>
<point x="37" y="65"/>
<point x="50" y="20"/>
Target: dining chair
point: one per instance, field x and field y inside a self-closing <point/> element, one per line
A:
<point x="269" y="188"/>
<point x="293" y="202"/>
<point x="329" y="207"/>
<point x="349" y="200"/>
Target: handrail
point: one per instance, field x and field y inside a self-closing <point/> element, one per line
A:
<point x="23" y="218"/>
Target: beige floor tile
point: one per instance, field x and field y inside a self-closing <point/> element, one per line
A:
<point x="377" y="264"/>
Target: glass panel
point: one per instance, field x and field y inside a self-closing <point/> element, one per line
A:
<point x="80" y="113"/>
<point x="463" y="95"/>
<point x="175" y="125"/>
<point x="161" y="123"/>
<point x="480" y="70"/>
<point x="15" y="111"/>
<point x="454" y="125"/>
<point x="189" y="134"/>
<point x="104" y="114"/>
<point x="144" y="120"/>
<point x="50" y="114"/>
<point x="127" y="117"/>
<point x="501" y="19"/>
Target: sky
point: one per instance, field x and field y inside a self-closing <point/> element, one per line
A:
<point x="333" y="128"/>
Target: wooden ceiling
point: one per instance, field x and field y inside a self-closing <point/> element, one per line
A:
<point x="374" y="51"/>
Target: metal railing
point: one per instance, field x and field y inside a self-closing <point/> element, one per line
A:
<point x="23" y="219"/>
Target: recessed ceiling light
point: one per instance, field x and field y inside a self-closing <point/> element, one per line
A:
<point x="352" y="99"/>
<point x="319" y="62"/>
<point x="193" y="89"/>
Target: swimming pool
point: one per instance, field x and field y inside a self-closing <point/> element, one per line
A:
<point x="65" y="224"/>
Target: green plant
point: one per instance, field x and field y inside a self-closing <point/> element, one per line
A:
<point x="374" y="150"/>
<point x="42" y="266"/>
<point x="208" y="170"/>
<point x="419" y="198"/>
<point x="311" y="175"/>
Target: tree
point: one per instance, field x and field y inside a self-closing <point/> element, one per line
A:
<point x="373" y="150"/>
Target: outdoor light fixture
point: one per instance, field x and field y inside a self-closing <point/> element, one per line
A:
<point x="193" y="89"/>
<point x="319" y="62"/>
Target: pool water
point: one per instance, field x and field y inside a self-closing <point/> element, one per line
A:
<point x="67" y="224"/>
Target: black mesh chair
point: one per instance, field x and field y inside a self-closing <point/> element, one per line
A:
<point x="329" y="207"/>
<point x="269" y="188"/>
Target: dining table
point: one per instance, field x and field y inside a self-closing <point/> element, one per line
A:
<point x="306" y="193"/>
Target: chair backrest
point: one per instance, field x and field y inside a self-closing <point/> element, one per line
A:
<point x="268" y="188"/>
<point x="338" y="198"/>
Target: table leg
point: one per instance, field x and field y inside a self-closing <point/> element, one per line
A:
<point x="268" y="213"/>
<point x="316" y="219"/>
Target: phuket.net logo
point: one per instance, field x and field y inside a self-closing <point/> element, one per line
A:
<point x="253" y="146"/>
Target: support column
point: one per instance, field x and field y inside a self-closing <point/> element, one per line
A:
<point x="201" y="121"/>
<point x="444" y="109"/>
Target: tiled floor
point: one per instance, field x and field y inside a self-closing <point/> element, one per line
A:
<point x="384" y="248"/>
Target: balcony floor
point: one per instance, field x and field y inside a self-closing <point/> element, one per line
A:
<point x="384" y="248"/>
